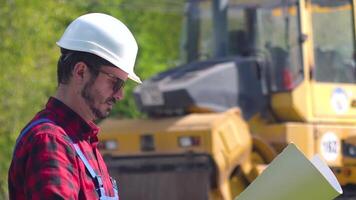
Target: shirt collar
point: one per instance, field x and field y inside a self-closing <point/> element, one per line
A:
<point x="73" y="124"/>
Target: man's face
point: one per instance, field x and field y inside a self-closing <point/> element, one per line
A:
<point x="102" y="92"/>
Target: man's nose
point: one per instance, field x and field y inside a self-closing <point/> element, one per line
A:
<point x="118" y="95"/>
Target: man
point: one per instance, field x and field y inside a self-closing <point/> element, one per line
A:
<point x="56" y="154"/>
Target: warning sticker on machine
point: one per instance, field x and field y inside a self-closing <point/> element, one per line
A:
<point x="339" y="101"/>
<point x="329" y="146"/>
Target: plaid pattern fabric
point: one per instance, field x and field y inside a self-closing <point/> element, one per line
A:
<point x="45" y="164"/>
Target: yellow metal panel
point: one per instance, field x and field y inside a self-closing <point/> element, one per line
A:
<point x="219" y="153"/>
<point x="343" y="133"/>
<point x="279" y="11"/>
<point x="292" y="106"/>
<point x="313" y="138"/>
<point x="343" y="166"/>
<point x="228" y="134"/>
<point x="279" y="135"/>
<point x="345" y="175"/>
<point x="164" y="142"/>
<point x="231" y="145"/>
<point x="126" y="143"/>
<point x="189" y="122"/>
<point x="319" y="9"/>
<point x="330" y="105"/>
<point x="168" y="142"/>
<point x="302" y="135"/>
<point x="166" y="133"/>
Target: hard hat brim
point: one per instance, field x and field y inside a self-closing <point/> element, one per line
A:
<point x="98" y="50"/>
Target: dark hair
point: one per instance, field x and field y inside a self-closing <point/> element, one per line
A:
<point x="70" y="58"/>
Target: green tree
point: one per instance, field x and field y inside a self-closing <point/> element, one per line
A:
<point x="28" y="55"/>
<point x="157" y="27"/>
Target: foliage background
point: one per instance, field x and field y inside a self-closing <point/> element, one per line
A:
<point x="28" y="54"/>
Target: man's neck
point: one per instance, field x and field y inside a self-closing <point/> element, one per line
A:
<point x="74" y="101"/>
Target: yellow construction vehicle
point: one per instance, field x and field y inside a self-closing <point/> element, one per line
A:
<point x="258" y="74"/>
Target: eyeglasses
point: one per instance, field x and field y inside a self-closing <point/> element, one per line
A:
<point x="119" y="83"/>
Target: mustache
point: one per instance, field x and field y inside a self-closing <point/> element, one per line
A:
<point x="111" y="100"/>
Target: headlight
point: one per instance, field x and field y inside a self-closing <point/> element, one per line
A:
<point x="108" y="145"/>
<point x="188" y="141"/>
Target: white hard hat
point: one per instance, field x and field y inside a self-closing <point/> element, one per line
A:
<point x="104" y="36"/>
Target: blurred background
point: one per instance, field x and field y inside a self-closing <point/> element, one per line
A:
<point x="287" y="65"/>
<point x="28" y="54"/>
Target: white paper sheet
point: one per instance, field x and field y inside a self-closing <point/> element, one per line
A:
<point x="291" y="176"/>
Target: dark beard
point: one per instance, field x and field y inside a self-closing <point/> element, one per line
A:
<point x="89" y="100"/>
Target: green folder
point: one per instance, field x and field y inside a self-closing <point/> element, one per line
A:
<point x="291" y="176"/>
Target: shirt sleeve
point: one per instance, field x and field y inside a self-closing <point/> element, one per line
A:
<point x="51" y="168"/>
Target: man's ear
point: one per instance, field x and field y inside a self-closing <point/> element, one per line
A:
<point x="79" y="72"/>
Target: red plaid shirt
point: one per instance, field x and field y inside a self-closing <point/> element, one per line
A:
<point x="45" y="164"/>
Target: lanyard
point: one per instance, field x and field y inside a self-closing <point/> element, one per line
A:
<point x="98" y="182"/>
